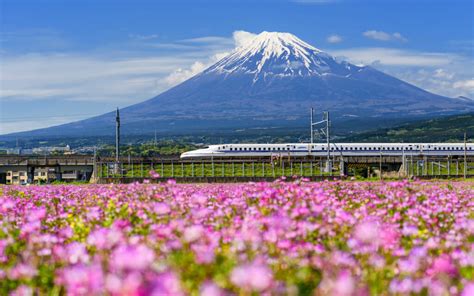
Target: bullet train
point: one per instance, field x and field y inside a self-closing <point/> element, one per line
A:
<point x="336" y="149"/>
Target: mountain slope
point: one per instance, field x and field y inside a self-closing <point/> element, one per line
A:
<point x="272" y="81"/>
<point x="442" y="129"/>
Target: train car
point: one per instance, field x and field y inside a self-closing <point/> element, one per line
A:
<point x="335" y="149"/>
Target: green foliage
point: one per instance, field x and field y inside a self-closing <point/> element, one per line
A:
<point x="444" y="129"/>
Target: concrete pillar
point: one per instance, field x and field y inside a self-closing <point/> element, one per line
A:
<point x="342" y="168"/>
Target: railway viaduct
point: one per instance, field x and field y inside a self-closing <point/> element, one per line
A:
<point x="16" y="169"/>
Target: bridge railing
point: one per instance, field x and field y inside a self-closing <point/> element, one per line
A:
<point x="388" y="166"/>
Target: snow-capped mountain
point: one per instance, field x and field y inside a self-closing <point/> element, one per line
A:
<point x="272" y="81"/>
<point x="280" y="54"/>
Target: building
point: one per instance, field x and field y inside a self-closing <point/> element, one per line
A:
<point x="41" y="175"/>
<point x="17" y="177"/>
<point x="41" y="169"/>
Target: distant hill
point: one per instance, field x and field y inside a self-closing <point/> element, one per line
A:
<point x="441" y="129"/>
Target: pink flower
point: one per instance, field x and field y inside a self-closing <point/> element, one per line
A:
<point x="210" y="289"/>
<point x="82" y="279"/>
<point x="367" y="232"/>
<point x="129" y="285"/>
<point x="166" y="283"/>
<point x="193" y="233"/>
<point x="344" y="285"/>
<point x="23" y="271"/>
<point x="104" y="238"/>
<point x="132" y="257"/>
<point x="468" y="289"/>
<point x="253" y="276"/>
<point x="154" y="175"/>
<point x="76" y="252"/>
<point x="204" y="253"/>
<point x="22" y="290"/>
<point x="161" y="208"/>
<point x="36" y="214"/>
<point x="442" y="265"/>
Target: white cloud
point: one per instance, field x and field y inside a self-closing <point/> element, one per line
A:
<point x="393" y="57"/>
<point x="181" y="75"/>
<point x="384" y="36"/>
<point x="441" y="73"/>
<point x="209" y="39"/>
<point x="241" y="38"/>
<point x="85" y="78"/>
<point x="123" y="79"/>
<point x="334" y="39"/>
<point x="19" y="125"/>
<point x="447" y="74"/>
<point x="466" y="85"/>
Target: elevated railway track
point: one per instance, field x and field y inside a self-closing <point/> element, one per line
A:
<point x="233" y="169"/>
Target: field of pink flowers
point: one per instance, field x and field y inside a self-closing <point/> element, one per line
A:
<point x="281" y="238"/>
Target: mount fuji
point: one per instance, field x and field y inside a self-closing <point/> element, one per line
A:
<point x="271" y="81"/>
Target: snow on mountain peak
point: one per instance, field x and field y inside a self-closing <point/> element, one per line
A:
<point x="279" y="54"/>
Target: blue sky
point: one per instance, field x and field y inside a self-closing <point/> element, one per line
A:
<point x="66" y="60"/>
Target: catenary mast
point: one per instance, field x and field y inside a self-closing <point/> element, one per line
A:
<point x="117" y="136"/>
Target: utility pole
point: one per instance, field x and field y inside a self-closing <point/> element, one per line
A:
<point x="312" y="132"/>
<point x="465" y="155"/>
<point x="326" y="132"/>
<point x="380" y="165"/>
<point x="117" y="139"/>
<point x="326" y="115"/>
<point x="155" y="139"/>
